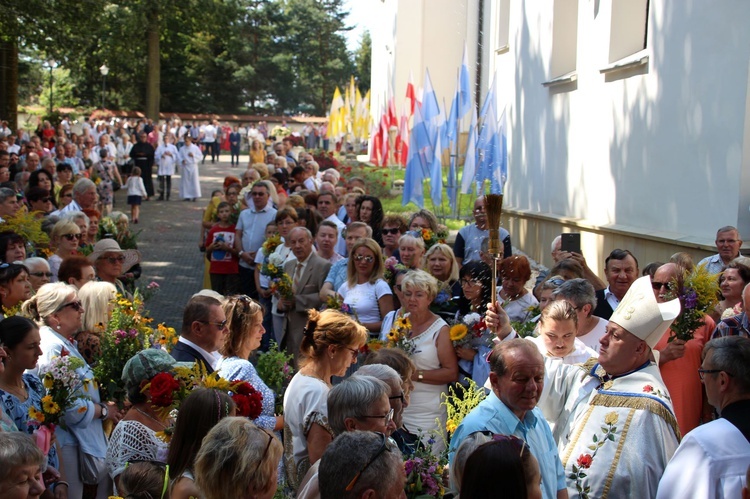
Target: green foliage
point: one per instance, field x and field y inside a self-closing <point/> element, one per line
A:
<point x="275" y="369"/>
<point x="62" y="90"/>
<point x="363" y="61"/>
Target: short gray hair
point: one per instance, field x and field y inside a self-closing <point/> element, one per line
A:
<point x="82" y="185"/>
<point x="579" y="291"/>
<point x="6" y="193"/>
<point x="35" y="260"/>
<point x="554" y="243"/>
<point x="352" y="398"/>
<point x="77" y="215"/>
<point x="384" y="373"/>
<point x="17" y="449"/>
<point x="732" y="355"/>
<point x="421" y="280"/>
<point x="347" y="455"/>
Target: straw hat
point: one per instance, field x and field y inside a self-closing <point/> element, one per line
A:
<point x="111" y="246"/>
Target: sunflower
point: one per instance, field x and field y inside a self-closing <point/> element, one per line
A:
<point x="49" y="381"/>
<point x="393" y="335"/>
<point x="403" y="323"/>
<point x="49" y="405"/>
<point x="458" y="331"/>
<point x="36" y="415"/>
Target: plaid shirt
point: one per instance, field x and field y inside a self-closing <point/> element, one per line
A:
<point x="737" y="325"/>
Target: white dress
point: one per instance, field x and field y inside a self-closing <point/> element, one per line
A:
<point x="133" y="441"/>
<point x="166" y="162"/>
<point x="190" y="182"/>
<point x="424" y="409"/>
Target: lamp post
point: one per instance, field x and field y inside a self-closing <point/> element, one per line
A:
<point x="104" y="70"/>
<point x="50" y="64"/>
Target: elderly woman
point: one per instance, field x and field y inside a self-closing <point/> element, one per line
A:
<point x="245" y="325"/>
<point x="21" y="464"/>
<point x="433" y="355"/>
<point x="76" y="270"/>
<point x="58" y="312"/>
<point x="411" y="249"/>
<point x="135" y="437"/>
<point x="515" y="271"/>
<point x="65" y="238"/>
<point x="330" y="344"/>
<point x="237" y="459"/>
<point x="39" y="272"/>
<point x="557" y="335"/>
<point x="15" y="287"/>
<point x="198" y="413"/>
<point x="12" y="247"/>
<point x="96" y="298"/>
<point x="111" y="262"/>
<point x="423" y="219"/>
<point x="365" y="291"/>
<point x="732" y="281"/>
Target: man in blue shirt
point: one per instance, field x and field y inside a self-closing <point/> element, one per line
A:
<point x="517" y="379"/>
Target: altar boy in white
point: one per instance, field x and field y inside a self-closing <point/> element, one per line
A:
<point x="615" y="425"/>
<point x="712" y="460"/>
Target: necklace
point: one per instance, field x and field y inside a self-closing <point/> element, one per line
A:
<point x="149" y="416"/>
<point x="311" y="373"/>
<point x="19" y="391"/>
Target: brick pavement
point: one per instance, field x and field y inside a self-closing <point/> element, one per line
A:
<point x="169" y="242"/>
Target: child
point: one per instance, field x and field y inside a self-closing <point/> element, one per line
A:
<point x="262" y="283"/>
<point x="224" y="262"/>
<point x="136" y="193"/>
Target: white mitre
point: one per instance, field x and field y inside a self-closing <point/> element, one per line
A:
<point x="641" y="315"/>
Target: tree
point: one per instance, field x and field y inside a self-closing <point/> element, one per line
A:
<point x="363" y="61"/>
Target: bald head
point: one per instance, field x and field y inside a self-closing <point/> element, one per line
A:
<point x="662" y="277"/>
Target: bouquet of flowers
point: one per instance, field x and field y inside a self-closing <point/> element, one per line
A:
<point x="273" y="266"/>
<point x="697" y="291"/>
<point x="459" y="402"/>
<point x="392" y="266"/>
<point x="126" y="334"/>
<point x="163" y="337"/>
<point x="270" y="245"/>
<point x="336" y="302"/>
<point x="424" y="474"/>
<point x="147" y="292"/>
<point x="470" y="331"/>
<point x="275" y="369"/>
<point x="61" y="382"/>
<point x="431" y="238"/>
<point x="398" y="336"/>
<point x="280" y="132"/>
<point x="248" y="400"/>
<point x="282" y="286"/>
<point x="372" y="345"/>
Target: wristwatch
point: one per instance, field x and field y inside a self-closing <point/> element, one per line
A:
<point x="105" y="411"/>
<point x="420" y="375"/>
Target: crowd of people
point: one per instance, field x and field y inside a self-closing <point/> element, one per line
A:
<point x="589" y="393"/>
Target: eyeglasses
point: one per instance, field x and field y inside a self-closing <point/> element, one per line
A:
<point x="75" y="305"/>
<point x="703" y="372"/>
<point x="220" y="325"/>
<point x="265" y="452"/>
<point x="400" y="397"/>
<point x="394" y="231"/>
<point x="159" y="464"/>
<point x="258" y="194"/>
<point x="41" y="274"/>
<point x="115" y="259"/>
<point x="658" y="285"/>
<point x="388" y="417"/>
<point x="45" y="200"/>
<point x="381" y="449"/>
<point x="470" y="282"/>
<point x="354" y="352"/>
<point x="71" y="237"/>
<point x="366" y="258"/>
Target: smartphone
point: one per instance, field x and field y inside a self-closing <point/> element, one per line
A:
<point x="571" y="242"/>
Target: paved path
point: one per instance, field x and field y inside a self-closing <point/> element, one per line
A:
<point x="169" y="242"/>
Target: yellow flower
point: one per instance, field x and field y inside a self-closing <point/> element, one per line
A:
<point x="611" y="418"/>
<point x="271" y="267"/>
<point x="48" y="381"/>
<point x="36" y="415"/>
<point x="403" y="323"/>
<point x="49" y="405"/>
<point x="450" y="426"/>
<point x="393" y="335"/>
<point x="458" y="332"/>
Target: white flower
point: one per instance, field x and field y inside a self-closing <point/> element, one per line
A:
<point x="470" y="319"/>
<point x="276" y="260"/>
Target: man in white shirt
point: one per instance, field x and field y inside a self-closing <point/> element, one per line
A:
<point x="327" y="204"/>
<point x="204" y="325"/>
<point x="728" y="243"/>
<point x="209" y="137"/>
<point x="250" y="234"/>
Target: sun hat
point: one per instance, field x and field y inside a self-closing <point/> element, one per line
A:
<point x="145" y="365"/>
<point x="111" y="246"/>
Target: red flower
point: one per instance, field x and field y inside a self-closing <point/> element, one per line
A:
<point x="648" y="388"/>
<point x="163" y="386"/>
<point x="584" y="461"/>
<point x="248" y="400"/>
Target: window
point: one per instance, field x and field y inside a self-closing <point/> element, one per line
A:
<point x="628" y="29"/>
<point x="564" y="38"/>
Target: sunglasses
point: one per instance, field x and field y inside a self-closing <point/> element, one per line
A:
<point x="658" y="285"/>
<point x="220" y="325"/>
<point x="41" y="274"/>
<point x="71" y="237"/>
<point x="386" y="232"/>
<point x="367" y="258"/>
<point x="115" y="259"/>
<point x="381" y="449"/>
<point x="75" y="305"/>
<point x="265" y="452"/>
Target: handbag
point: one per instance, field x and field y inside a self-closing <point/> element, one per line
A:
<point x="90" y="468"/>
<point x="115" y="185"/>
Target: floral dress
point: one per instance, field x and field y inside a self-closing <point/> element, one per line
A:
<point x="19" y="411"/>
<point x="105" y="173"/>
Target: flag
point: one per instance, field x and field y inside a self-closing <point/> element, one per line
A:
<point x="376" y="144"/>
<point x="470" y="160"/>
<point x="334" y="117"/>
<point x="500" y="172"/>
<point x="436" y="175"/>
<point x="413" y="177"/>
<point x="492" y="150"/>
<point x="386" y="143"/>
<point x="402" y="150"/>
<point x="430" y="106"/>
<point x="464" y="88"/>
<point x="451" y="125"/>
<point x="422" y="139"/>
<point x="411" y="96"/>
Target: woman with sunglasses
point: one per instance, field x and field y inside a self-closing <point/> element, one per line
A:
<point x="237" y="459"/>
<point x="199" y="412"/>
<point x="365" y="292"/>
<point x="58" y="312"/>
<point x="330" y="344"/>
<point x="65" y="238"/>
<point x="15" y="287"/>
<point x="111" y="263"/>
<point x="39" y="273"/>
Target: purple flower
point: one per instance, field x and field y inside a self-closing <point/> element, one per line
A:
<point x="442" y="297"/>
<point x="691" y="299"/>
<point x="409" y="466"/>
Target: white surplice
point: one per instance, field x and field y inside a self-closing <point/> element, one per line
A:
<point x="190" y="183"/>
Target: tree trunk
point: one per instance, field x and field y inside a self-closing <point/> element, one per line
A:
<point x="9" y="81"/>
<point x="153" y="66"/>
